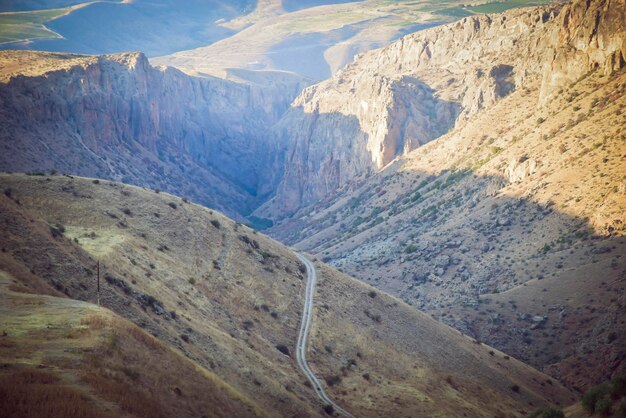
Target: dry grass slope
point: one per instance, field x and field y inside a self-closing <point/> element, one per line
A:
<point x="227" y="298"/>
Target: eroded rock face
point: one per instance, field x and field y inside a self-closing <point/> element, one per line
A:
<point x="118" y="117"/>
<point x="587" y="35"/>
<point x="392" y="100"/>
<point x="519" y="169"/>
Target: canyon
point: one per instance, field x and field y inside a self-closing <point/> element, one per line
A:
<point x="460" y="191"/>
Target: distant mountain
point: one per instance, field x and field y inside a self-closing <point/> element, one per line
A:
<point x="104" y="27"/>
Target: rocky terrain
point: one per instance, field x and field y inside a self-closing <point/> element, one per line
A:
<point x="117" y="117"/>
<point x="393" y="100"/>
<point x="472" y="176"/>
<point x="510" y="227"/>
<point x="229" y="300"/>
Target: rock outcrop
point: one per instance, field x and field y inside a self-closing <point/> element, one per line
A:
<point x="118" y="117"/>
<point x="395" y="99"/>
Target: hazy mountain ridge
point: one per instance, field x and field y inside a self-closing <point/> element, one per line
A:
<point x="123" y="119"/>
<point x="359" y="120"/>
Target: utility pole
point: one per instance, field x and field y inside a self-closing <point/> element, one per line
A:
<point x="98" y="268"/>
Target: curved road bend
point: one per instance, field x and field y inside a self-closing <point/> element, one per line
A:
<point x="305" y="325"/>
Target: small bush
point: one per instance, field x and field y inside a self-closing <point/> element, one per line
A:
<point x="603" y="406"/>
<point x="96" y="181"/>
<point x="216" y="223"/>
<point x="515" y="388"/>
<point x="57" y="231"/>
<point x="172" y="205"/>
<point x="593" y="395"/>
<point x="333" y="380"/>
<point x="371" y="294"/>
<point x="329" y="409"/>
<point x="283" y="349"/>
<point x="547" y="413"/>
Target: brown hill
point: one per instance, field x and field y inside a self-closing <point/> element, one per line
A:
<point x="227" y="297"/>
<point x="511" y="226"/>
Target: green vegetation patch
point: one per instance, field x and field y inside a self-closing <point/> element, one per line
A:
<point x="502" y="6"/>
<point x="21" y="26"/>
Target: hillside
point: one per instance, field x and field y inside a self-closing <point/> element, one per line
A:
<point x="227" y="297"/>
<point x="63" y="357"/>
<point x="510" y="227"/>
<point x="393" y="100"/>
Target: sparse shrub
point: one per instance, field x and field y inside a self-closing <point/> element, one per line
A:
<point x="540" y="120"/>
<point x="366" y="376"/>
<point x="185" y="338"/>
<point x="329" y="409"/>
<point x="411" y="248"/>
<point x="131" y="373"/>
<point x="283" y="349"/>
<point x="96" y="181"/>
<point x="333" y="380"/>
<point x="172" y="205"/>
<point x="127" y="212"/>
<point x="515" y="388"/>
<point x="216" y="223"/>
<point x="593" y="395"/>
<point x="57" y="231"/>
<point x="371" y="294"/>
<point x="248" y="324"/>
<point x="546" y="413"/>
<point x="374" y="317"/>
<point x="192" y="281"/>
<point x="603" y="406"/>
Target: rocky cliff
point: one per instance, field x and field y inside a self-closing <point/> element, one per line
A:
<point x="117" y="117"/>
<point x="392" y="100"/>
<point x="511" y="226"/>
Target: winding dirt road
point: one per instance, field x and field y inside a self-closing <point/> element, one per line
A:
<point x="305" y="324"/>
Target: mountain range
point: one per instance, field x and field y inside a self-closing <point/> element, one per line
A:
<point x="457" y="179"/>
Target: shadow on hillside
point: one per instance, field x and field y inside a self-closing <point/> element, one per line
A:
<point x="318" y="152"/>
<point x="443" y="242"/>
